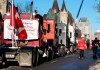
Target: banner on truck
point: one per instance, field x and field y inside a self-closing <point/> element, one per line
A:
<point x="31" y="27"/>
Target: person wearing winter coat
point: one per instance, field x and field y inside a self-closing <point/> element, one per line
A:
<point x="95" y="45"/>
<point x="81" y="47"/>
<point x="88" y="44"/>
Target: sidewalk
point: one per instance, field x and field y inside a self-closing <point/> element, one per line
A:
<point x="97" y="63"/>
<point x="96" y="66"/>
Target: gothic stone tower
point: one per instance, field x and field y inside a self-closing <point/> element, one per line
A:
<point x="63" y="14"/>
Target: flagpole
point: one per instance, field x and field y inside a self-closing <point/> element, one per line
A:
<point x="12" y="25"/>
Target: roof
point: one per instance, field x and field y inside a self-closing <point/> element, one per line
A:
<point x="70" y="18"/>
<point x="63" y="6"/>
<point x="55" y="6"/>
<point x="44" y="16"/>
<point x="83" y="19"/>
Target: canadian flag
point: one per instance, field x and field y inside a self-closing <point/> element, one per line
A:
<point x="17" y="23"/>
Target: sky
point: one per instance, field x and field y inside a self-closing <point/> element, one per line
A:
<point x="88" y="9"/>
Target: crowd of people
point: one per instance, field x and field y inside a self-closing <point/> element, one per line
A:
<point x="82" y="46"/>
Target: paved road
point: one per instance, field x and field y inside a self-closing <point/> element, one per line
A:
<point x="69" y="62"/>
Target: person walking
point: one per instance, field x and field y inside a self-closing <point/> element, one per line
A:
<point x="88" y="43"/>
<point x="95" y="45"/>
<point x="81" y="47"/>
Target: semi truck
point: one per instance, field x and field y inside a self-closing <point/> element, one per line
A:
<point x="41" y="41"/>
<point x="26" y="52"/>
<point x="44" y="39"/>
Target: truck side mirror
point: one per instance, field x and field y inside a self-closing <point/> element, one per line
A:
<point x="48" y="28"/>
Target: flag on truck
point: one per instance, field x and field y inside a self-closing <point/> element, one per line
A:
<point x="16" y="22"/>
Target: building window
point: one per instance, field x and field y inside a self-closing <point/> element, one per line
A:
<point x="48" y="28"/>
<point x="70" y="34"/>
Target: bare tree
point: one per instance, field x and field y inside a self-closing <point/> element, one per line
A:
<point x="98" y="6"/>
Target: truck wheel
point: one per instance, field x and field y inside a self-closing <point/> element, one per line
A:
<point x="37" y="59"/>
<point x="47" y="54"/>
<point x="51" y="54"/>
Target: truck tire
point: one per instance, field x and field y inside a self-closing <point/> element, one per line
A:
<point x="50" y="54"/>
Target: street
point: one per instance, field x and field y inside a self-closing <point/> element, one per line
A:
<point x="68" y="62"/>
<point x="43" y="35"/>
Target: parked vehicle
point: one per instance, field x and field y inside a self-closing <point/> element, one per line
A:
<point x="41" y="41"/>
<point x="27" y="52"/>
<point x="44" y="39"/>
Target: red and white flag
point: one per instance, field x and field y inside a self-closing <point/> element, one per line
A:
<point x="17" y="23"/>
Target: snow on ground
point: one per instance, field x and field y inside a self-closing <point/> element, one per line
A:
<point x="96" y="66"/>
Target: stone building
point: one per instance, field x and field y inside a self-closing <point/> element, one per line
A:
<point x="97" y="34"/>
<point x="62" y="16"/>
<point x="84" y="26"/>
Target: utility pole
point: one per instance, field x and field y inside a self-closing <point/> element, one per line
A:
<point x="77" y="17"/>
